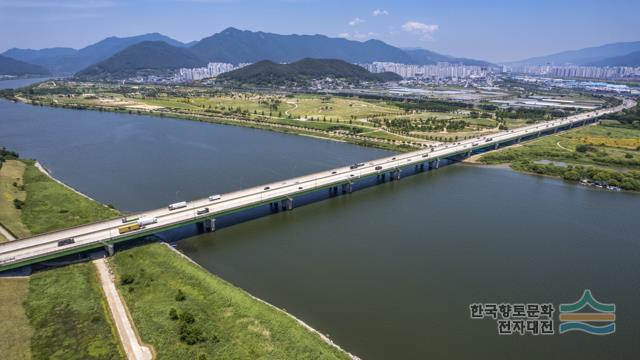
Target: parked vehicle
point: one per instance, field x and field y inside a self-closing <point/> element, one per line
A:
<point x="215" y="197"/>
<point x="178" y="205"/>
<point x="66" y="241"/>
<point x="202" y="211"/>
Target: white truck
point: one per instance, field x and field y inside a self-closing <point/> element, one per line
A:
<point x="214" y="197"/>
<point x="178" y="205"/>
<point x="147" y="220"/>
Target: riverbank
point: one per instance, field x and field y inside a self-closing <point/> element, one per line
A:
<point x="185" y="312"/>
<point x="33" y="202"/>
<point x="605" y="155"/>
<point x="284" y="126"/>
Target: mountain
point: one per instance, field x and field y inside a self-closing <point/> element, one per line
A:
<point x="584" y="56"/>
<point x="631" y="59"/>
<point x="268" y="73"/>
<point x="29" y="55"/>
<point x="428" y="57"/>
<point x="145" y="58"/>
<point x="9" y="66"/>
<point x="69" y="62"/>
<point x="238" y="46"/>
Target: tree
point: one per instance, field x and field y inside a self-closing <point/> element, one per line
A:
<point x="173" y="314"/>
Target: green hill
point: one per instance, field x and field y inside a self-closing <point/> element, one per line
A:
<point x="145" y="58"/>
<point x="9" y="66"/>
<point x="268" y="73"/>
<point x="631" y="59"/>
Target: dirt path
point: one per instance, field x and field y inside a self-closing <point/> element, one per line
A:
<point x="562" y="147"/>
<point x="132" y="346"/>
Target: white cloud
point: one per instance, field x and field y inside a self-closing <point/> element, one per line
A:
<point x="356" y="21"/>
<point x="357" y="35"/>
<point x="378" y="12"/>
<point x="422" y="29"/>
<point x="344" y="35"/>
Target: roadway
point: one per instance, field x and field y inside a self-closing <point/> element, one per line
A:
<point x="19" y="252"/>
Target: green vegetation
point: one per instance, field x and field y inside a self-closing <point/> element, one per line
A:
<point x="69" y="316"/>
<point x="145" y="58"/>
<point x="16" y="331"/>
<point x="369" y="120"/>
<point x="607" y="154"/>
<point x="301" y="73"/>
<point x="12" y="196"/>
<point x="50" y="206"/>
<point x="187" y="313"/>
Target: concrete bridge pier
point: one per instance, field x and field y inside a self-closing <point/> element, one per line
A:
<point x="287" y="204"/>
<point x="555" y="130"/>
<point x="209" y="225"/>
<point x="437" y="163"/>
<point x="468" y="153"/>
<point x="495" y="147"/>
<point x="108" y="248"/>
<point x="422" y="167"/>
<point x="519" y="139"/>
<point x="395" y="174"/>
<point x="274" y="206"/>
<point x="347" y="188"/>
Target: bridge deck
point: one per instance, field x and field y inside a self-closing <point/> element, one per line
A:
<point x="45" y="246"/>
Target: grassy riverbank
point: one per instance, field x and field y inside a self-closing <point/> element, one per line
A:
<point x="16" y="331"/>
<point x="69" y="316"/>
<point x="608" y="153"/>
<point x="32" y="203"/>
<point x="187" y="313"/>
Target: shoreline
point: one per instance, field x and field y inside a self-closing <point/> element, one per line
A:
<point x="68" y="187"/>
<point x="322" y="336"/>
<point x="251" y="124"/>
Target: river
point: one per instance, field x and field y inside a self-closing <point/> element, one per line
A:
<point x="389" y="271"/>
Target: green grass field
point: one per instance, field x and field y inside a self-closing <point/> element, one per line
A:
<point x="16" y="332"/>
<point x="11" y="182"/>
<point x="69" y="316"/>
<point x="230" y="324"/>
<point x="51" y="206"/>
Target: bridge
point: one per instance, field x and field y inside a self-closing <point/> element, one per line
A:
<point x="278" y="195"/>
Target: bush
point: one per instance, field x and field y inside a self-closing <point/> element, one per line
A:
<point x="584" y="148"/>
<point x="187" y="318"/>
<point x="127" y="279"/>
<point x="180" y="296"/>
<point x="173" y="314"/>
<point x="191" y="334"/>
<point x="571" y="175"/>
<point x="18" y="204"/>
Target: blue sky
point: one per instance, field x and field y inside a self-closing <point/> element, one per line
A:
<point x="492" y="30"/>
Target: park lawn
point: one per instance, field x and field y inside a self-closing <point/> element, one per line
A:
<point x="340" y="108"/>
<point x="69" y="315"/>
<point x="51" y="206"/>
<point x="12" y="172"/>
<point x="15" y="330"/>
<point x="234" y="325"/>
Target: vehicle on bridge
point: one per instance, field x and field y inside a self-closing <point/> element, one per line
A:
<point x="178" y="205"/>
<point x="202" y="211"/>
<point x="356" y="165"/>
<point x="68" y="241"/>
<point x="127" y="219"/>
<point x="215" y="197"/>
<point x="147" y="221"/>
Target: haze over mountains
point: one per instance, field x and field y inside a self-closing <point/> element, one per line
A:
<point x="115" y="57"/>
<point x="231" y="45"/>
<point x="604" y="55"/>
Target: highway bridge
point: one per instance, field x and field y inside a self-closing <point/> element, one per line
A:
<point x="280" y="194"/>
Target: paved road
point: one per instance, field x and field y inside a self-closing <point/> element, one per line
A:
<point x="37" y="246"/>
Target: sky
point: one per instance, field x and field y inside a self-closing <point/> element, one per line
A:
<point x="496" y="30"/>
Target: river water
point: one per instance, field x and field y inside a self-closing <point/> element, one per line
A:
<point x="389" y="271"/>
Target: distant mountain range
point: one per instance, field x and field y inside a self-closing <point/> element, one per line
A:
<point x="70" y="61"/>
<point x="9" y="66"/>
<point x="145" y="58"/>
<point x="231" y="46"/>
<point x="631" y="59"/>
<point x="268" y="73"/>
<point x="605" y="55"/>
